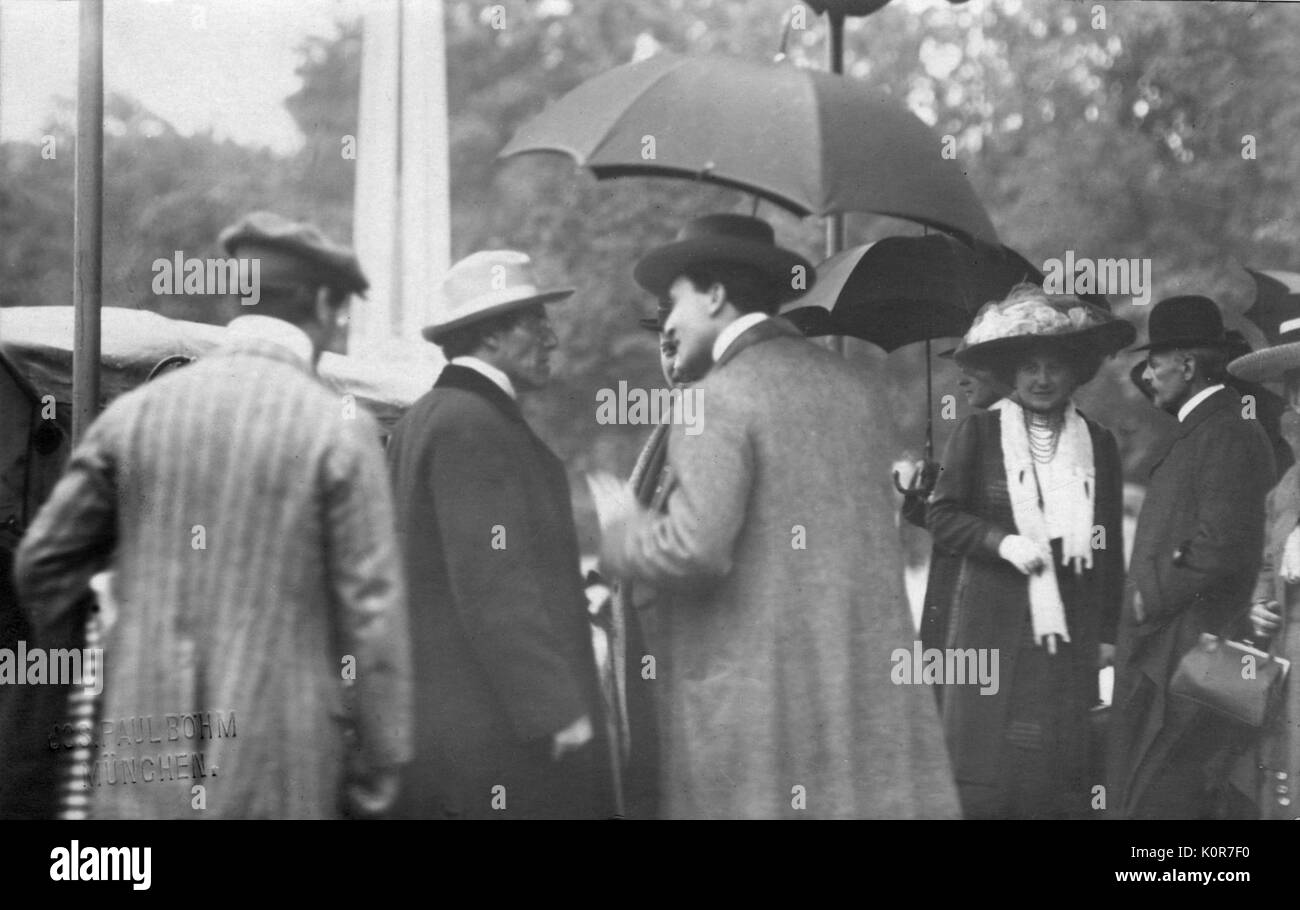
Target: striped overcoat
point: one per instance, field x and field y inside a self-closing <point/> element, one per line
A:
<point x="259" y="649"/>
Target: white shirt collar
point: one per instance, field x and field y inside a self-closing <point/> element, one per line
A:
<point x="277" y="331"/>
<point x="734" y="331"/>
<point x="1190" y="404"/>
<point x="498" y="377"/>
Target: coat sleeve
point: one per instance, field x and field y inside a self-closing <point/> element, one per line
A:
<point x="694" y="539"/>
<point x="73" y="535"/>
<point x="365" y="575"/>
<point x="1234" y="471"/>
<point x="497" y="579"/>
<point x="952" y="523"/>
<point x="1109" y="560"/>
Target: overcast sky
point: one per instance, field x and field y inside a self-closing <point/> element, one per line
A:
<point x="224" y="64"/>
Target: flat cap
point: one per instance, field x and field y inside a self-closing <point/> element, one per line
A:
<point x="293" y="252"/>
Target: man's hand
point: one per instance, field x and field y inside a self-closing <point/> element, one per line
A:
<point x="373" y="795"/>
<point x="571" y="738"/>
<point x="1023" y="553"/>
<point x="1265" y="618"/>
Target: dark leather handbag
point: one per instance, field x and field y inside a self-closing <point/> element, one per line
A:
<point x="1231" y="678"/>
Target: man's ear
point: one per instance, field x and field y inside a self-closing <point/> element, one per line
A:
<point x="717" y="298"/>
<point x="325" y="314"/>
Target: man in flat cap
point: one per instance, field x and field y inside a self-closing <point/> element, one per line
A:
<point x="257" y="665"/>
<point x="509" y="721"/>
<point x="1196" y="554"/>
<point x="773" y="664"/>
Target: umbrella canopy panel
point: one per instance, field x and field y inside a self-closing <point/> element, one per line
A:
<point x="902" y="290"/>
<point x="812" y="142"/>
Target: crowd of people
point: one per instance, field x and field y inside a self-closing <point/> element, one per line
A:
<point x="417" y="640"/>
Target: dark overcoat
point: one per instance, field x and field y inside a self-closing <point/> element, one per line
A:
<point x="1195" y="559"/>
<point x="987" y="602"/>
<point x="498" y="613"/>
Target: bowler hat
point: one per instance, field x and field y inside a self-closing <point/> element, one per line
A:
<point x="485" y="284"/>
<point x="731" y="239"/>
<point x="293" y="253"/>
<point x="1186" y="321"/>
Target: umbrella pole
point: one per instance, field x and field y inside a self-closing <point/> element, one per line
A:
<point x="835" y="222"/>
<point x="87" y="218"/>
<point x="929" y="406"/>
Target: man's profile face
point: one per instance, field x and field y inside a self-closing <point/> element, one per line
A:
<point x="525" y="350"/>
<point x="1169" y="376"/>
<point x="689" y="331"/>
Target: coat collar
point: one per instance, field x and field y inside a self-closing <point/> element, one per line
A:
<point x="1223" y="398"/>
<point x="264" y="347"/>
<point x="454" y="376"/>
<point x="773" y="327"/>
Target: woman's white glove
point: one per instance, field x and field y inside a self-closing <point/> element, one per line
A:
<point x="1023" y="553"/>
<point x="1290" y="567"/>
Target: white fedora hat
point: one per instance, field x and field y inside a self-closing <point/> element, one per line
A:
<point x="488" y="283"/>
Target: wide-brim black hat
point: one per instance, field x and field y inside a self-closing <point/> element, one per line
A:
<point x="726" y="238"/>
<point x="1185" y="321"/>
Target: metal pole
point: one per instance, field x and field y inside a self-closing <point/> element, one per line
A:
<point x="87" y="218"/>
<point x="835" y="223"/>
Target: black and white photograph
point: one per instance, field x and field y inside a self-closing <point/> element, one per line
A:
<point x="651" y="410"/>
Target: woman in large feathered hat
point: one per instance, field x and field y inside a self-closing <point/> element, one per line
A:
<point x="1030" y="497"/>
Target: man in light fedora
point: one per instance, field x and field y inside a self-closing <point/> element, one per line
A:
<point x="1195" y="557"/>
<point x="508" y="716"/>
<point x="773" y="664"/>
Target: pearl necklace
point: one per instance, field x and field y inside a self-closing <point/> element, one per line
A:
<point x="1044" y="436"/>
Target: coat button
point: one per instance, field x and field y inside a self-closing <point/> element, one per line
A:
<point x="1282" y="788"/>
<point x="1281" y="775"/>
<point x="1284" y="800"/>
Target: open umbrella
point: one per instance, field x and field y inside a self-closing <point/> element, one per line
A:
<point x="902" y="290"/>
<point x="811" y="142"/>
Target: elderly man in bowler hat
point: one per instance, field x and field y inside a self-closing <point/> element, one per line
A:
<point x="509" y="721"/>
<point x="259" y="647"/>
<point x="1195" y="557"/>
<point x="772" y="664"/>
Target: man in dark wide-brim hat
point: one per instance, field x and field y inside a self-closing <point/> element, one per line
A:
<point x="779" y="537"/>
<point x="1193" y="567"/>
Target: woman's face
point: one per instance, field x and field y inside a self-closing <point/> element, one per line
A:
<point x="1044" y="382"/>
<point x="980" y="387"/>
